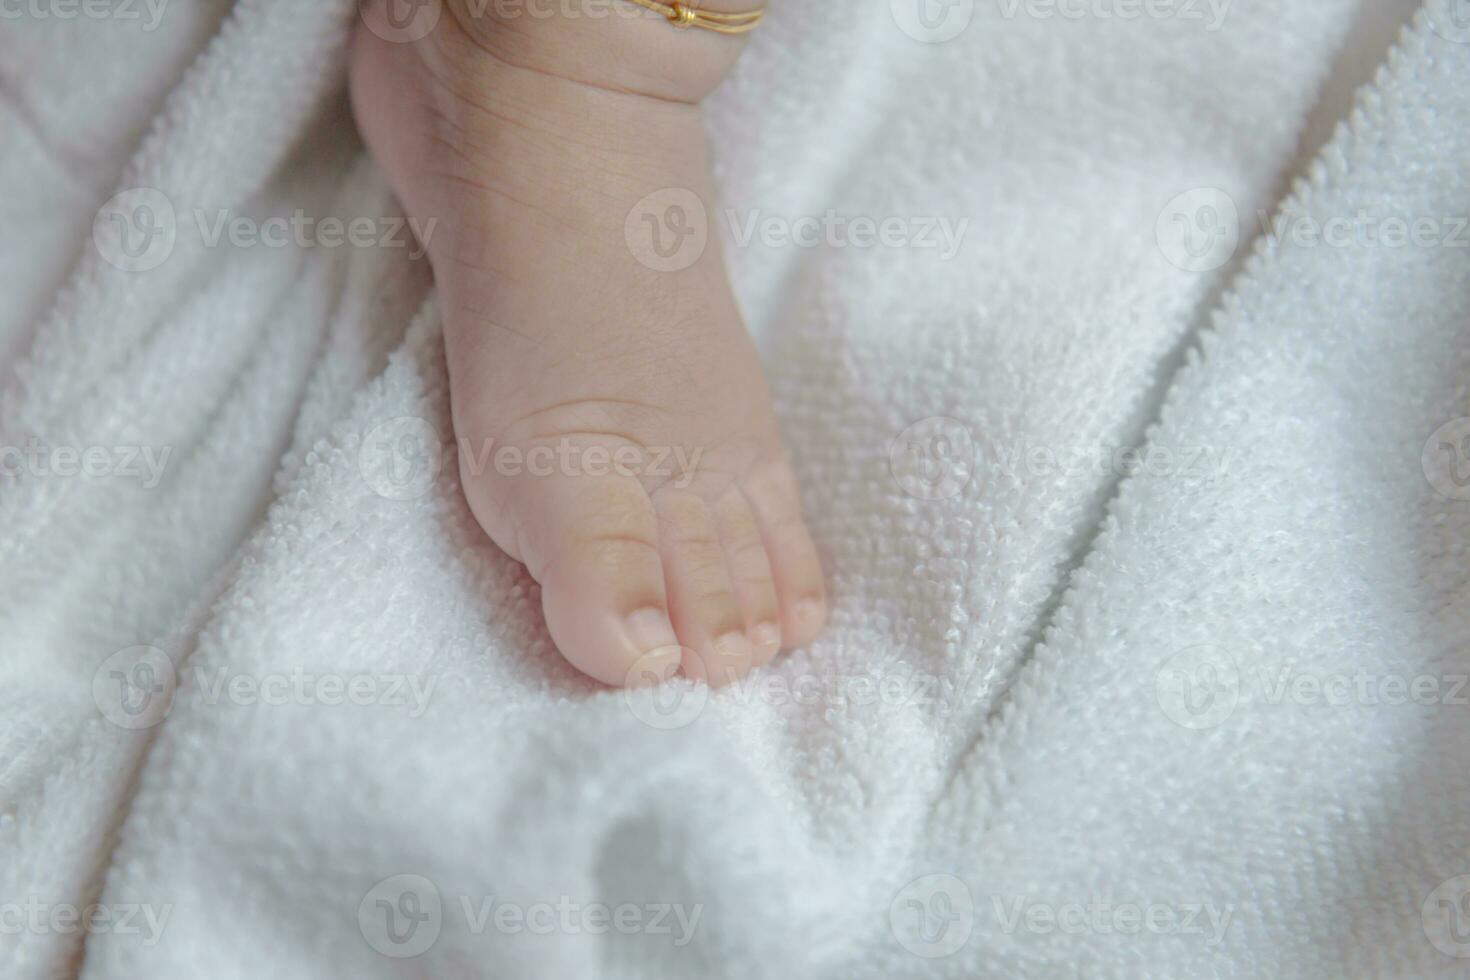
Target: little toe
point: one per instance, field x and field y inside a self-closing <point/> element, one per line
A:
<point x="795" y="567"/>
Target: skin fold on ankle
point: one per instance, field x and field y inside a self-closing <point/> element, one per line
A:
<point x="607" y="43"/>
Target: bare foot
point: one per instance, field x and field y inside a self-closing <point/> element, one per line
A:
<point x="623" y="442"/>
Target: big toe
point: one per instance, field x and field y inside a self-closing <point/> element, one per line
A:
<point x="593" y="546"/>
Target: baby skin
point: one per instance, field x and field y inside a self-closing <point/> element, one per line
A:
<point x="531" y="138"/>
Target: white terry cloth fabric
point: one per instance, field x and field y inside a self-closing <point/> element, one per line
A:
<point x="1028" y="775"/>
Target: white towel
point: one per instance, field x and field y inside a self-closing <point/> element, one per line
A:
<point x="991" y="764"/>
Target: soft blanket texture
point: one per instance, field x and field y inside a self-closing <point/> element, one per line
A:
<point x="1149" y="560"/>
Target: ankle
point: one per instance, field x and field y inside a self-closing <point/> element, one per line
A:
<point x="541" y="152"/>
<point x="534" y="176"/>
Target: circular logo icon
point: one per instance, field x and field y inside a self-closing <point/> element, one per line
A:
<point x="933" y="21"/>
<point x="401" y="458"/>
<point x="1199" y="687"/>
<point x="400" y="21"/>
<point x="656" y="698"/>
<point x="135" y="231"/>
<point x="1199" y="230"/>
<point x="1446" y="459"/>
<point x="1450" y="19"/>
<point x="1446" y="915"/>
<point x="933" y="916"/>
<point x="134" y="688"/>
<point x="401" y="916"/>
<point x="933" y="459"/>
<point x="668" y="230"/>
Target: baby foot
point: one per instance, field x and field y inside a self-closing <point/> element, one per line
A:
<point x="619" y="432"/>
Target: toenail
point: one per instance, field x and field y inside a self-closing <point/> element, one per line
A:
<point x="765" y="636"/>
<point x="733" y="646"/>
<point x="809" y="612"/>
<point x="650" y="629"/>
<point x="731" y="660"/>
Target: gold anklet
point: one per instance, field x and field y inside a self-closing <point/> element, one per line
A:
<point x="682" y="15"/>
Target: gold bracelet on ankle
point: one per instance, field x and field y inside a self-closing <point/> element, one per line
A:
<point x="682" y="15"/>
